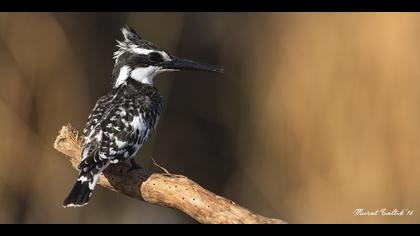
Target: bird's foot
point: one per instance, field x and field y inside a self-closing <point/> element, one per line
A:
<point x="134" y="166"/>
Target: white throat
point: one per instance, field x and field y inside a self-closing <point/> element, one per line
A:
<point x="143" y="75"/>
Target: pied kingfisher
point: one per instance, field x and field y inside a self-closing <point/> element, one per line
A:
<point x="122" y="120"/>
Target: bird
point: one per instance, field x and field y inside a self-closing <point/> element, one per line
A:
<point x="122" y="120"/>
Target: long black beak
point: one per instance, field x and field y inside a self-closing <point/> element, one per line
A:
<point x="184" y="64"/>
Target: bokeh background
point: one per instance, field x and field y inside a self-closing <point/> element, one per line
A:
<point x="316" y="115"/>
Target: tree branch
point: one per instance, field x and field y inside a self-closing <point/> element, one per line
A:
<point x="169" y="190"/>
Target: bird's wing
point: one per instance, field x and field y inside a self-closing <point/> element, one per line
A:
<point x="124" y="131"/>
<point x="92" y="132"/>
<point x="100" y="109"/>
<point x="116" y="136"/>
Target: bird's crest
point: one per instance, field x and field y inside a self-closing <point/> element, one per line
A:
<point x="130" y="34"/>
<point x="131" y="41"/>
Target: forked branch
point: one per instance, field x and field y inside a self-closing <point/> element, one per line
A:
<point x="165" y="189"/>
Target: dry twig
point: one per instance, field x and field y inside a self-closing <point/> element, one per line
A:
<point x="166" y="189"/>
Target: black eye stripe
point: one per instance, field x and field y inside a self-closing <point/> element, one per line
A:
<point x="134" y="60"/>
<point x="155" y="57"/>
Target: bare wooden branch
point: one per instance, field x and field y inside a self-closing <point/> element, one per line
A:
<point x="165" y="189"/>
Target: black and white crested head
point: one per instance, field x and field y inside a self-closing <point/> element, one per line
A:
<point x="137" y="59"/>
<point x="141" y="60"/>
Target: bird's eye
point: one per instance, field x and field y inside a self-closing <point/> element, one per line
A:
<point x="155" y="57"/>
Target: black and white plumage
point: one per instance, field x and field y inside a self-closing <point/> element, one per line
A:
<point x="122" y="120"/>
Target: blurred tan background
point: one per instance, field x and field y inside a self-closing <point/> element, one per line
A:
<point x="317" y="114"/>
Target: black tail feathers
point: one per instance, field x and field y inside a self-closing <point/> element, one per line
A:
<point x="80" y="194"/>
<point x="82" y="190"/>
